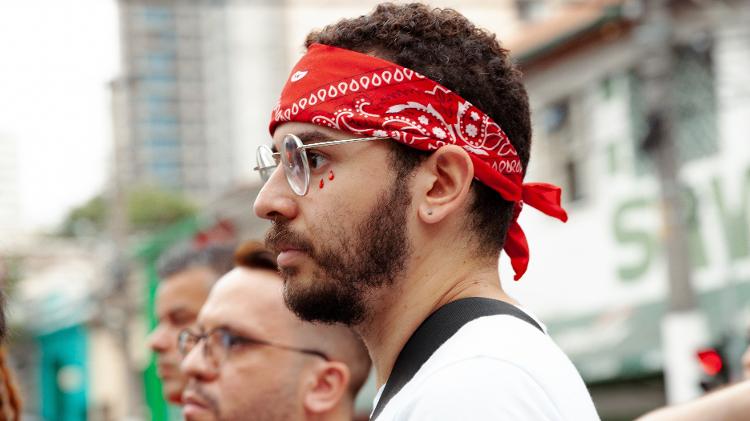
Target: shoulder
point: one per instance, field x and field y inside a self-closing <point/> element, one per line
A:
<point x="487" y="388"/>
<point x="503" y="337"/>
<point x="497" y="367"/>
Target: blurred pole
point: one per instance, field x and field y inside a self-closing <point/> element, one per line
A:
<point x="684" y="328"/>
<point x="121" y="296"/>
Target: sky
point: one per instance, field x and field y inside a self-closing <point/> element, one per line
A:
<point x="56" y="60"/>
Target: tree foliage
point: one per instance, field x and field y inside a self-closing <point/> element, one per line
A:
<point x="148" y="209"/>
<point x="87" y="218"/>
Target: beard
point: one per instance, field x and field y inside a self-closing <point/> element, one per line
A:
<point x="276" y="403"/>
<point x="350" y="265"/>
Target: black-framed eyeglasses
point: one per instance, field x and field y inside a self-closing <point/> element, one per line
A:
<point x="219" y="342"/>
<point x="293" y="157"/>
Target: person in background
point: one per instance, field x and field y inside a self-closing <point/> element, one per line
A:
<point x="727" y="403"/>
<point x="251" y="358"/>
<point x="730" y="403"/>
<point x="186" y="276"/>
<point x="10" y="399"/>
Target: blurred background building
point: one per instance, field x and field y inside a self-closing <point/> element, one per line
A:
<point x="191" y="103"/>
<point x="583" y="72"/>
<point x="10" y="206"/>
<point x="175" y="83"/>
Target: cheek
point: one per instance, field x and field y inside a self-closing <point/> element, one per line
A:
<point x="331" y="176"/>
<point x="236" y="382"/>
<point x="343" y="195"/>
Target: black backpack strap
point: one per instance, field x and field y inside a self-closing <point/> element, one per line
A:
<point x="433" y="332"/>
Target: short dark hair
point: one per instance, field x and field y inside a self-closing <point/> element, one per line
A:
<point x="217" y="257"/>
<point x="254" y="255"/>
<point x="446" y="47"/>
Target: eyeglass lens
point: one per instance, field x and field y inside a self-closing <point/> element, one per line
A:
<point x="294" y="159"/>
<point x="266" y="162"/>
<point x="214" y="349"/>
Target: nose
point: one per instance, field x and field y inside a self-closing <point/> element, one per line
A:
<point x="276" y="199"/>
<point x="196" y="365"/>
<point x="159" y="340"/>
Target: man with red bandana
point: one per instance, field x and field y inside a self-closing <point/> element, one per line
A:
<point x="403" y="138"/>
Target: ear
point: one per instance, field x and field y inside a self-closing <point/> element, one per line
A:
<point x="446" y="177"/>
<point x="330" y="386"/>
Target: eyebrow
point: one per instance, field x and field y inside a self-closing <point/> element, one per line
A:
<point x="310" y="136"/>
<point x="174" y="311"/>
<point x="180" y="311"/>
<point x="235" y="330"/>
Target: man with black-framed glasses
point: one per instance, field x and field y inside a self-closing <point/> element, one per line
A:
<point x="249" y="357"/>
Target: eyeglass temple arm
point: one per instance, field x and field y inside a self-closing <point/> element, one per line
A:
<point x="338" y="142"/>
<point x="303" y="350"/>
<point x="276" y="155"/>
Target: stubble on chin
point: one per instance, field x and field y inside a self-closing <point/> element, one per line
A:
<point x="324" y="300"/>
<point x="354" y="267"/>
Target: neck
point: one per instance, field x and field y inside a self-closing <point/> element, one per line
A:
<point x="431" y="282"/>
<point x="343" y="411"/>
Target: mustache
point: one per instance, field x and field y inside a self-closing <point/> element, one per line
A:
<point x="281" y="236"/>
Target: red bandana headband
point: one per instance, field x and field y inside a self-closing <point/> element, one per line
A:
<point x="365" y="95"/>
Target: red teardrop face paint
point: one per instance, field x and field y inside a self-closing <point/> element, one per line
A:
<point x="330" y="175"/>
<point x="321" y="184"/>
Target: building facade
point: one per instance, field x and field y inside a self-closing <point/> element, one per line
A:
<point x="175" y="91"/>
<point x="606" y="268"/>
<point x="10" y="195"/>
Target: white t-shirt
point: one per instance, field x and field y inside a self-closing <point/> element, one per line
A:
<point x="494" y="368"/>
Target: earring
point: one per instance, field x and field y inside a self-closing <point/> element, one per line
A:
<point x="429" y="211"/>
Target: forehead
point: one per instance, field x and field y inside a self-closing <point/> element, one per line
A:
<point x="309" y="133"/>
<point x="189" y="287"/>
<point x="248" y="300"/>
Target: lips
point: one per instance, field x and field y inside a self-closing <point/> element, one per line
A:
<point x="282" y="240"/>
<point x="193" y="404"/>
<point x="288" y="256"/>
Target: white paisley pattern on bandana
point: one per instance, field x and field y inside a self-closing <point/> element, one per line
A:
<point x="428" y="120"/>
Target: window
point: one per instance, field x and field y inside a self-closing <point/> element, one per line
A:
<point x="155" y="16"/>
<point x="694" y="100"/>
<point x="565" y="148"/>
<point x="166" y="172"/>
<point x="530" y="10"/>
<point x="556" y="117"/>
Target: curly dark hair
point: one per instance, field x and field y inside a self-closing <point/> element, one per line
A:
<point x="446" y="47"/>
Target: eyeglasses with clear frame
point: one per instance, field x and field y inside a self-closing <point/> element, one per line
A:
<point x="293" y="158"/>
<point x="218" y="343"/>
